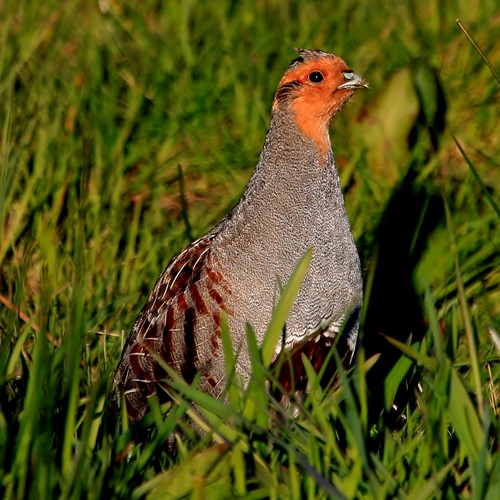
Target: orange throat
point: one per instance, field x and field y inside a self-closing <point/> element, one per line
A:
<point x="313" y="125"/>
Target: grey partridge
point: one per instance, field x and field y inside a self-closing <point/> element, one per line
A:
<point x="293" y="202"/>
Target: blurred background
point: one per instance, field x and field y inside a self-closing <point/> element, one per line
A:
<point x="129" y="128"/>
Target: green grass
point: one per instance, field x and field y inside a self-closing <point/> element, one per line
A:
<point x="128" y="128"/>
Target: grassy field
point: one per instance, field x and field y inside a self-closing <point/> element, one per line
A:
<point x="129" y="128"/>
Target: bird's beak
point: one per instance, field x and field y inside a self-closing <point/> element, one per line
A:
<point x="355" y="82"/>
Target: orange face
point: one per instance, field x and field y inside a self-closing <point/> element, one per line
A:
<point x="316" y="86"/>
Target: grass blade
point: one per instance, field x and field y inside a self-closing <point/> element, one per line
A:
<point x="464" y="309"/>
<point x="476" y="175"/>
<point x="465" y="31"/>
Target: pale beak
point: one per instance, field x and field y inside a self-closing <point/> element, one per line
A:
<point x="355" y="82"/>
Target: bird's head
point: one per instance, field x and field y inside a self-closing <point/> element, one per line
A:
<point x="314" y="88"/>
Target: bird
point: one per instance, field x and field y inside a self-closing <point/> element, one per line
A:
<point x="293" y="203"/>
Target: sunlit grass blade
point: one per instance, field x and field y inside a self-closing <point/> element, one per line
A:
<point x="30" y="419"/>
<point x="464" y="309"/>
<point x="230" y="361"/>
<point x="203" y="475"/>
<point x="465" y="417"/>
<point x="394" y="379"/>
<point x="466" y="32"/>
<point x="493" y="486"/>
<point x="256" y="397"/>
<point x="477" y="177"/>
<point x="434" y="325"/>
<point x="421" y="359"/>
<point x="429" y="488"/>
<point x="215" y="406"/>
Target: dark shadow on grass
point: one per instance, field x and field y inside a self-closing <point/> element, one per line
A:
<point x="395" y="308"/>
<point x="414" y="210"/>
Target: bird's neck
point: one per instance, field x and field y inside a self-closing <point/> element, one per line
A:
<point x="292" y="180"/>
<point x="293" y="138"/>
<point x="291" y="164"/>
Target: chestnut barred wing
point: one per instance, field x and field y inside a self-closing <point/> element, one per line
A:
<point x="180" y="324"/>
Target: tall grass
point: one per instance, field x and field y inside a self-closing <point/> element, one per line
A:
<point x="128" y="128"/>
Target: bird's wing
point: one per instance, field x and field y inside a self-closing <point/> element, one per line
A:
<point x="187" y="298"/>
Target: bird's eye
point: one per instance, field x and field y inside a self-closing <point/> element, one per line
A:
<point x="315" y="77"/>
<point x="348" y="75"/>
